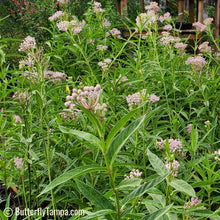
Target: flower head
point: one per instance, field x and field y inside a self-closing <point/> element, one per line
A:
<point x="18" y="162"/>
<point x="197" y="63"/>
<point x="208" y="21"/>
<point x="56" y="16"/>
<point x="28" y="43"/>
<point x="204" y="47"/>
<point x="199" y="26"/>
<point x="173" y="167"/>
<point x="153" y="6"/>
<point x="174" y="144"/>
<point x="134" y="174"/>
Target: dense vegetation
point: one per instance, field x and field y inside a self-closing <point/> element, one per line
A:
<point x="121" y="127"/>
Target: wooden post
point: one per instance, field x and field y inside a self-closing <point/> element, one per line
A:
<point x="191" y="11"/>
<point x="181" y="10"/>
<point x="217" y="21"/>
<point x="122" y="6"/>
<point x="200" y="10"/>
<point x="142" y="6"/>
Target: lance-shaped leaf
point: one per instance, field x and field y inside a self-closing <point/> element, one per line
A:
<point x="72" y="174"/>
<point x="120" y="124"/>
<point x="121" y="139"/>
<point x="157" y="214"/>
<point x="95" y="197"/>
<point x="90" y="138"/>
<point x="157" y="163"/>
<point x="117" y="143"/>
<point x="98" y="214"/>
<point x="182" y="186"/>
<point x="143" y="189"/>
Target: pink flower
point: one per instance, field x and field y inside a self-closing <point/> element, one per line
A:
<point x="134" y="174"/>
<point x="189" y="128"/>
<point x="180" y="46"/>
<point x="153" y="98"/>
<point x="63" y="25"/>
<point x="17" y="119"/>
<point x="173" y="167"/>
<point x="56" y="16"/>
<point x="28" y="43"/>
<point x="167" y="27"/>
<point x="197" y="63"/>
<point x="107" y="23"/>
<point x="208" y="21"/>
<point x="153" y="6"/>
<point x="166" y="16"/>
<point x="174" y="144"/>
<point x="199" y="26"/>
<point x="97" y="7"/>
<point x="194" y="202"/>
<point x="18" y="162"/>
<point x="101" y="47"/>
<point x="204" y="48"/>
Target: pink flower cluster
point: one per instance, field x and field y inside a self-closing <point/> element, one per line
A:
<point x="139" y="97"/>
<point x="18" y="162"/>
<point x="199" y="26"/>
<point x="22" y="97"/>
<point x="101" y="47"/>
<point x="28" y="43"/>
<point x="172" y="167"/>
<point x="168" y="27"/>
<point x="104" y="64"/>
<point x="133" y="174"/>
<point x="197" y="63"/>
<point x="217" y="155"/>
<point x="164" y="17"/>
<point x="204" y="47"/>
<point x="17" y="119"/>
<point x="74" y="26"/>
<point x="56" y="16"/>
<point x="208" y="21"/>
<point x="100" y="109"/>
<point x="88" y="97"/>
<point x="194" y="202"/>
<point x="107" y="23"/>
<point x="114" y="32"/>
<point x="181" y="48"/>
<point x="189" y="128"/>
<point x="153" y="6"/>
<point x="29" y="61"/>
<point x="167" y="40"/>
<point x="97" y="7"/>
<point x="174" y="144"/>
<point x="55" y="76"/>
<point x="136" y="98"/>
<point x="145" y="19"/>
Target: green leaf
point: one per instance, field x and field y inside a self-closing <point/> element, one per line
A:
<point x="98" y="214"/>
<point x="121" y="139"/>
<point x="129" y="184"/>
<point x="95" y="197"/>
<point x="119" y="125"/>
<point x="90" y="138"/>
<point x="182" y="186"/>
<point x="143" y="189"/>
<point x="96" y="123"/>
<point x="204" y="213"/>
<point x="71" y="174"/>
<point x="158" y="214"/>
<point x="2" y="216"/>
<point x="157" y="163"/>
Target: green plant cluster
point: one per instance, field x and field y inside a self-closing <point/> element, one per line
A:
<point x="120" y="126"/>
